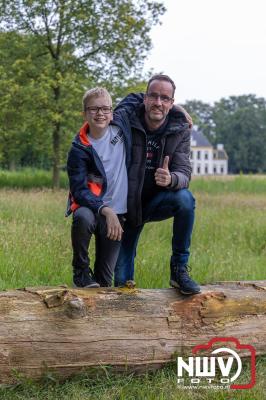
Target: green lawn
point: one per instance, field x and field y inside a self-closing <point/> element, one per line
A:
<point x="229" y="243"/>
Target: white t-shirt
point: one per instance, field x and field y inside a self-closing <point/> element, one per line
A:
<point x="111" y="150"/>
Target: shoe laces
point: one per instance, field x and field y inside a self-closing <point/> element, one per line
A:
<point x="91" y="272"/>
<point x="184" y="271"/>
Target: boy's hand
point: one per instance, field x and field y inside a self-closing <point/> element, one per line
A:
<point x="114" y="229"/>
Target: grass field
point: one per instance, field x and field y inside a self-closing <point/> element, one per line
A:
<point x="229" y="243"/>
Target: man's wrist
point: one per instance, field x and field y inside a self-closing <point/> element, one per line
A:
<point x="174" y="180"/>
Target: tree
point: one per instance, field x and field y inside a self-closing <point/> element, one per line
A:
<point x="20" y="95"/>
<point x="100" y="40"/>
<point x="202" y="117"/>
<point x="240" y="123"/>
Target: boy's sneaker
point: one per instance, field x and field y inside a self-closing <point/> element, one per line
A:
<point x="84" y="278"/>
<point x="181" y="279"/>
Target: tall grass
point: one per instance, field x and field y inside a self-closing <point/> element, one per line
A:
<point x="160" y="385"/>
<point x="29" y="178"/>
<point x="230" y="183"/>
<point x="229" y="243"/>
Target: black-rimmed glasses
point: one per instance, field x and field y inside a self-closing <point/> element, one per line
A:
<point x="95" y="110"/>
<point x="155" y="96"/>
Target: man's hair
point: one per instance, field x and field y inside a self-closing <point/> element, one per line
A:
<point x="95" y="92"/>
<point x="161" y="77"/>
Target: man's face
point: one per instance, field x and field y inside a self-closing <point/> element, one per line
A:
<point x="158" y="101"/>
<point x="98" y="113"/>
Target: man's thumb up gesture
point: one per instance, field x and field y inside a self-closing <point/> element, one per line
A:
<point x="162" y="175"/>
<point x="166" y="162"/>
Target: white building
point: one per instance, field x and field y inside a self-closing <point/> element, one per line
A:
<point x="205" y="159"/>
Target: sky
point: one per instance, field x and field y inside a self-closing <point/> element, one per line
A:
<point x="211" y="48"/>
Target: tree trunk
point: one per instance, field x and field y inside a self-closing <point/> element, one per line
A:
<point x="56" y="156"/>
<point x="68" y="330"/>
<point x="12" y="164"/>
<point x="56" y="139"/>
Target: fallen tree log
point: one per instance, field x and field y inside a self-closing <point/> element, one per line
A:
<point x="65" y="330"/>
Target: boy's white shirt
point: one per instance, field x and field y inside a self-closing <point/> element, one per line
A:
<point x="111" y="150"/>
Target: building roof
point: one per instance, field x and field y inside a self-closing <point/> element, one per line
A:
<point x="198" y="139"/>
<point x="220" y="155"/>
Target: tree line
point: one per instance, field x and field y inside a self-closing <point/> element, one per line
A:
<point x="52" y="51"/>
<point x="239" y="122"/>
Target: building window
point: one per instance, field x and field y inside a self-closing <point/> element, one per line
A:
<point x="206" y="156"/>
<point x="214" y="169"/>
<point x="222" y="170"/>
<point x="198" y="169"/>
<point x="198" y="154"/>
<point x="206" y="169"/>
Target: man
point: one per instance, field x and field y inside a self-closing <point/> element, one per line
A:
<point x="97" y="173"/>
<point x="158" y="179"/>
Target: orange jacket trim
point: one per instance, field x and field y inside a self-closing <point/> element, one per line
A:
<point x="83" y="134"/>
<point x="95" y="188"/>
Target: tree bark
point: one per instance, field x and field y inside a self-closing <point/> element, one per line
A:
<point x="68" y="330"/>
<point x="56" y="156"/>
<point x="56" y="139"/>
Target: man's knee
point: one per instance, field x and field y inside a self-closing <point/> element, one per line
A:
<point x="184" y="200"/>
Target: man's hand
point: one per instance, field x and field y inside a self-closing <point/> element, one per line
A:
<point x="187" y="115"/>
<point x="114" y="229"/>
<point x="162" y="175"/>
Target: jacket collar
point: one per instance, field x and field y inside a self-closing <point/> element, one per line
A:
<point x="83" y="133"/>
<point x="83" y="137"/>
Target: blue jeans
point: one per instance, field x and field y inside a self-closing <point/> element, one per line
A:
<point x="179" y="204"/>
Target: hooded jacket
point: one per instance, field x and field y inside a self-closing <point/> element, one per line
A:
<point x="87" y="178"/>
<point x="174" y="142"/>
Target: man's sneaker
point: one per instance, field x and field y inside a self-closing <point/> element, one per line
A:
<point x="181" y="279"/>
<point x="83" y="278"/>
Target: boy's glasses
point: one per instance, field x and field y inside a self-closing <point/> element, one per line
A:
<point x="95" y="110"/>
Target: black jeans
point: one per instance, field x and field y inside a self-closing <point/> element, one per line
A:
<point x="84" y="224"/>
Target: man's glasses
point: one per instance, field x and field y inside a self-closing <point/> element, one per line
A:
<point x="154" y="97"/>
<point x="95" y="110"/>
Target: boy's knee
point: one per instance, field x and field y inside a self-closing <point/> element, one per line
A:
<point x="83" y="217"/>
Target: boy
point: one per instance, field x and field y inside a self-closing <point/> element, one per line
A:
<point x="97" y="170"/>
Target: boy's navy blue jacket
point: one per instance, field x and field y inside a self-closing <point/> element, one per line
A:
<point x="87" y="178"/>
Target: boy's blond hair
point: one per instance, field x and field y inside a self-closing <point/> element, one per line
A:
<point x="95" y="92"/>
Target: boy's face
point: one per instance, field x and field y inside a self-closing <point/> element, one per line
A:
<point x="98" y="113"/>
